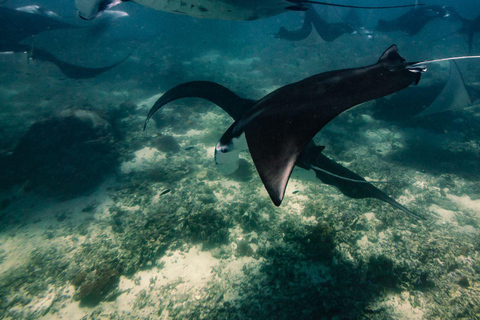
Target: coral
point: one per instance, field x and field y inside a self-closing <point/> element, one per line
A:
<point x="94" y="287"/>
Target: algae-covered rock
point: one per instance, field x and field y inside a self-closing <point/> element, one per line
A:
<point x="166" y="143"/>
<point x="244" y="249"/>
<point x="67" y="154"/>
<point x="92" y="288"/>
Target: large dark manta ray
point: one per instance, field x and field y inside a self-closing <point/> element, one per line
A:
<point x="326" y="170"/>
<point x="280" y="126"/>
<point x="18" y="25"/>
<point x="413" y="21"/>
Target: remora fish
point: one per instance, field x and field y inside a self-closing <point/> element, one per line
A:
<point x="19" y="24"/>
<point x="243" y="10"/>
<point x="326" y="170"/>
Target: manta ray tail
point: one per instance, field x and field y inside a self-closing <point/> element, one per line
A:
<point x="397" y="205"/>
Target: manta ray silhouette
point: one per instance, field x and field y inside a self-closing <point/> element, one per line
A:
<point x="470" y="27"/>
<point x="326" y="170"/>
<point x="415" y="19"/>
<point x="22" y="23"/>
<point x="327" y="31"/>
<point x="219" y="9"/>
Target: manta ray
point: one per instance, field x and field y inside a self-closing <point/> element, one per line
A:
<point x="279" y="127"/>
<point x="327" y="31"/>
<point x="242" y="10"/>
<point x="470" y="27"/>
<point x="325" y="169"/>
<point x="415" y="19"/>
<point x="21" y="24"/>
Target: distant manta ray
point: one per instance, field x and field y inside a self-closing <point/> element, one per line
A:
<point x="470" y="27"/>
<point x="327" y="31"/>
<point x="19" y="24"/>
<point x="415" y="20"/>
<point x="243" y="10"/>
<point x="326" y="170"/>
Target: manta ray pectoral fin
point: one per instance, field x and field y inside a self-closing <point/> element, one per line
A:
<point x="226" y="99"/>
<point x="273" y="147"/>
<point x="89" y="9"/>
<point x="275" y="151"/>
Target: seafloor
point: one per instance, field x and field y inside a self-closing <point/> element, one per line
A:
<point x="165" y="236"/>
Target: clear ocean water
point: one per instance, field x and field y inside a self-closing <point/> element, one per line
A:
<point x="100" y="219"/>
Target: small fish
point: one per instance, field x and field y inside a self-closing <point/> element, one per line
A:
<point x="189" y="148"/>
<point x="165" y="192"/>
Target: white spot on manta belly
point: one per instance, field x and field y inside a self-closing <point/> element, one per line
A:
<point x="226" y="156"/>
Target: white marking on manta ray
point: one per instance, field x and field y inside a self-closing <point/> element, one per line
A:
<point x="227" y="159"/>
